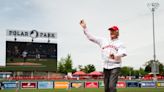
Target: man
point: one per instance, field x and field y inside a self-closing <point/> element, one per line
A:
<point x="37" y="56"/>
<point x="24" y="55"/>
<point x="112" y="52"/>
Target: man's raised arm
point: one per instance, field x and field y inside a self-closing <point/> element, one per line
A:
<point x="89" y="35"/>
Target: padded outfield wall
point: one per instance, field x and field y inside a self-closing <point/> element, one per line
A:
<point x="77" y="84"/>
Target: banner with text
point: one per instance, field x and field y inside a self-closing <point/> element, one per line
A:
<point x="121" y="84"/>
<point x="45" y="84"/>
<point x="10" y="85"/>
<point x="91" y="84"/>
<point x="160" y="84"/>
<point x="101" y="84"/>
<point x="61" y="84"/>
<point x="132" y="84"/>
<point x="28" y="85"/>
<point x="77" y="84"/>
<point x="148" y="84"/>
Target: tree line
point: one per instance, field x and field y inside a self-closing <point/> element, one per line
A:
<point x="65" y="65"/>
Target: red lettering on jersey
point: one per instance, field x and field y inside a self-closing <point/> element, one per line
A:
<point x="110" y="46"/>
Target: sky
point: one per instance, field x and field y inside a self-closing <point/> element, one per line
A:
<point x="133" y="18"/>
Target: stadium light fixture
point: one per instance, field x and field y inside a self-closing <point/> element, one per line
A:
<point x="153" y="6"/>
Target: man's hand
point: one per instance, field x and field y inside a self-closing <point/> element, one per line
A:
<point x="112" y="56"/>
<point x="83" y="24"/>
<point x="116" y="57"/>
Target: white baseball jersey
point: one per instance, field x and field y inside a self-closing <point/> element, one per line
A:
<point x="24" y="54"/>
<point x="108" y="47"/>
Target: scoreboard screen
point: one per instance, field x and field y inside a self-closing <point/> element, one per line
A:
<point x="31" y="56"/>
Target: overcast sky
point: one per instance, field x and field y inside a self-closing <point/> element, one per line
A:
<point x="133" y="18"/>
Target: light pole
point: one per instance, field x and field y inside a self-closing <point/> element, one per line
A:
<point x="153" y="6"/>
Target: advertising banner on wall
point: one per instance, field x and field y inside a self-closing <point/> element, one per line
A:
<point x="45" y="85"/>
<point x="160" y="84"/>
<point x="148" y="84"/>
<point x="61" y="84"/>
<point x="10" y="85"/>
<point x="132" y="84"/>
<point x="91" y="84"/>
<point x="28" y="85"/>
<point x="121" y="84"/>
<point x="77" y="84"/>
<point x="101" y="84"/>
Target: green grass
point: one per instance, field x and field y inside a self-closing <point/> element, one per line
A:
<point x="47" y="65"/>
<point x="88" y="90"/>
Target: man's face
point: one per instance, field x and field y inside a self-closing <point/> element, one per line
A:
<point x="113" y="34"/>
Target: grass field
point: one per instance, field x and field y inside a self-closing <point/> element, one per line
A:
<point x="46" y="64"/>
<point x="88" y="90"/>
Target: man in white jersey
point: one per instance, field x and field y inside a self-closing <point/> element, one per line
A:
<point x="112" y="51"/>
<point x="24" y="55"/>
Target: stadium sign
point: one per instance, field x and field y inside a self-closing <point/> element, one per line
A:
<point x="62" y="84"/>
<point x="132" y="84"/>
<point x="10" y="85"/>
<point x="148" y="84"/>
<point x="160" y="84"/>
<point x="121" y="84"/>
<point x="28" y="85"/>
<point x="45" y="84"/>
<point x="77" y="84"/>
<point x="32" y="33"/>
<point x="91" y="84"/>
<point x="101" y="84"/>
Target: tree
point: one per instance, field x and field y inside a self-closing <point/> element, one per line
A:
<point x="80" y="68"/>
<point x="136" y="73"/>
<point x="161" y="69"/>
<point x="126" y="71"/>
<point x="68" y="64"/>
<point x="61" y="68"/>
<point x="148" y="68"/>
<point x="142" y="72"/>
<point x="65" y="65"/>
<point x="149" y="64"/>
<point x="87" y="69"/>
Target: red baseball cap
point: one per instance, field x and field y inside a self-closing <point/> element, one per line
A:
<point x="113" y="28"/>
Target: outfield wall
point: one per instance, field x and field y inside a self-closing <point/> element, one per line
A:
<point x="76" y="84"/>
